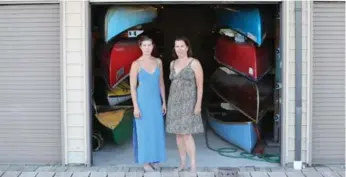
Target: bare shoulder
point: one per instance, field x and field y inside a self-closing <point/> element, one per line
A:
<point x="159" y="61"/>
<point x="195" y="64"/>
<point x="135" y="64"/>
<point x="171" y="63"/>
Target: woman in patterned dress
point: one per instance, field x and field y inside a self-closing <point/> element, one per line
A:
<point x="148" y="97"/>
<point x="185" y="101"/>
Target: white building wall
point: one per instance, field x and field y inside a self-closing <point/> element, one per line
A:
<point x="75" y="56"/>
<point x="74" y="15"/>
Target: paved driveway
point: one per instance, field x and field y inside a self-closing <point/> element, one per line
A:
<point x="81" y="171"/>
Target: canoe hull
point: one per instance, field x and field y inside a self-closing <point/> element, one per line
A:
<point x="239" y="133"/>
<point x="120" y="93"/>
<point x="117" y="64"/>
<point x="248" y="22"/>
<point x="244" y="58"/>
<point x="251" y="99"/>
<point x="117" y="124"/>
<point x="120" y="18"/>
<point x="123" y="132"/>
<point x="115" y="100"/>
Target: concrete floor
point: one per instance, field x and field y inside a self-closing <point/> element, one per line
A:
<point x="111" y="154"/>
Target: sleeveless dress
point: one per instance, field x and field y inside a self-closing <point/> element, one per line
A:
<point x="148" y="130"/>
<point x="180" y="118"/>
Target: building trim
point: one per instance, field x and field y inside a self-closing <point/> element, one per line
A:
<point x="298" y="83"/>
<point x="310" y="81"/>
<point x="64" y="132"/>
<point x="285" y="68"/>
<point x="88" y="80"/>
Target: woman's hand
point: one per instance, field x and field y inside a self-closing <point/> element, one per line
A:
<point x="136" y="112"/>
<point x="164" y="109"/>
<point x="197" y="110"/>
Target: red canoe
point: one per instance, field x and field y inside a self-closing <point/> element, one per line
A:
<point x="117" y="64"/>
<point x="251" y="99"/>
<point x="244" y="58"/>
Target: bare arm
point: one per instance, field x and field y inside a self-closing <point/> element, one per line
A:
<point x="196" y="66"/>
<point x="133" y="83"/>
<point x="162" y="83"/>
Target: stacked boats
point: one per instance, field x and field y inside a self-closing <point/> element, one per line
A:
<point x="242" y="80"/>
<point x="123" y="25"/>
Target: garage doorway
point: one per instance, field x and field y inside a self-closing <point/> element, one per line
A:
<point x="113" y="146"/>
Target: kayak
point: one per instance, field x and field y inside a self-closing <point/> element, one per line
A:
<point x="250" y="22"/>
<point x="117" y="64"/>
<point x="244" y="58"/>
<point x="121" y="18"/>
<point x="233" y="127"/>
<point x="119" y="122"/>
<point x="251" y="99"/>
<point x="120" y="93"/>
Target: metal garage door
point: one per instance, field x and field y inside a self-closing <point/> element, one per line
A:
<point x="328" y="117"/>
<point x="30" y="127"/>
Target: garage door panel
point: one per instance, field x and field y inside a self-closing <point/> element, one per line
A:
<point x="30" y="95"/>
<point x="328" y="65"/>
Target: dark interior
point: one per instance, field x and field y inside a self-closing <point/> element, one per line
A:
<point x="197" y="23"/>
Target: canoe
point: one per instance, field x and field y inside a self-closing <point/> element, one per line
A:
<point x="117" y="64"/>
<point x="120" y="18"/>
<point x="244" y="58"/>
<point x="249" y="22"/>
<point x="250" y="98"/>
<point x="120" y="93"/>
<point x="232" y="126"/>
<point x="119" y="122"/>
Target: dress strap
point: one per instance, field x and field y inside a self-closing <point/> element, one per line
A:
<point x="190" y="62"/>
<point x="139" y="64"/>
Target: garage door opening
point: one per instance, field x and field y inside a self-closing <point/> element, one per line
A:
<point x="241" y="110"/>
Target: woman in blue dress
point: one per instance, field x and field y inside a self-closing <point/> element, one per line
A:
<point x="148" y="97"/>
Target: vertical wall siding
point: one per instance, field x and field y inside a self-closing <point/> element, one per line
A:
<point x="74" y="56"/>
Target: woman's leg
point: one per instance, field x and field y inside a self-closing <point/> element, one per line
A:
<point x="191" y="150"/>
<point x="182" y="151"/>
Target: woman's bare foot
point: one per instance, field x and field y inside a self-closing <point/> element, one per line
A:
<point x="155" y="166"/>
<point x="180" y="168"/>
<point x="193" y="169"/>
<point x="148" y="168"/>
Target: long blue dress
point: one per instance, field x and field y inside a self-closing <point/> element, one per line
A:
<point x="149" y="132"/>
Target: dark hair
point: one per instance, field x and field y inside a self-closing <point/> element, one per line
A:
<point x="187" y="43"/>
<point x="143" y="38"/>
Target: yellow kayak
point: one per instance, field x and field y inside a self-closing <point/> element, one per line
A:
<point x="119" y="122"/>
<point x="120" y="93"/>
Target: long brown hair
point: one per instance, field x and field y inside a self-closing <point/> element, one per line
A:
<point x="187" y="43"/>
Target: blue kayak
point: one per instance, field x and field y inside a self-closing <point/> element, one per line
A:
<point x="121" y="18"/>
<point x="233" y="127"/>
<point x="248" y="22"/>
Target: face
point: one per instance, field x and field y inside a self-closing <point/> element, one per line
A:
<point x="147" y="47"/>
<point x="180" y="48"/>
